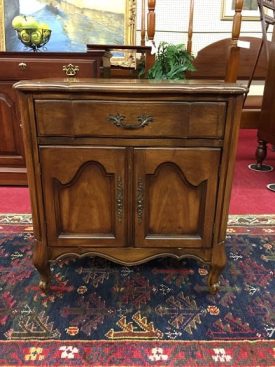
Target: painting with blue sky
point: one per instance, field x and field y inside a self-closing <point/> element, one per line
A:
<point x="74" y="23"/>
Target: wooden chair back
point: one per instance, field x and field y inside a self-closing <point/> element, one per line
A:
<point x="231" y="64"/>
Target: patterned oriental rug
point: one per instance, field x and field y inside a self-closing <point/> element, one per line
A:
<point x="159" y="314"/>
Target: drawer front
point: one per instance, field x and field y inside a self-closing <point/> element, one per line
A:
<point x="130" y="118"/>
<point x="20" y="69"/>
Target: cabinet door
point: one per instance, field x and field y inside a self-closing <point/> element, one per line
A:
<point x="12" y="161"/>
<point x="175" y="196"/>
<point x="84" y="195"/>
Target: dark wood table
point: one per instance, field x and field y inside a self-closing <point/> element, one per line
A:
<point x="15" y="66"/>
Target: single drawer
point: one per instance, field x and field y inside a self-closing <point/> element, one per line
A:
<point x="130" y="118"/>
<point x="24" y="68"/>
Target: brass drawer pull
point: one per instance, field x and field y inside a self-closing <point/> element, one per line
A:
<point x="140" y="200"/>
<point x="119" y="121"/>
<point x="22" y="66"/>
<point x="70" y="69"/>
<point x="119" y="199"/>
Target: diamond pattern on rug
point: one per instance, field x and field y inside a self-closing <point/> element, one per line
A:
<point x="164" y="299"/>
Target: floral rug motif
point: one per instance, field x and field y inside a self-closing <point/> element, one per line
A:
<point x="137" y="353"/>
<point x="160" y="313"/>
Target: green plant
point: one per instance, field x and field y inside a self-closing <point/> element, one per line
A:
<point x="172" y="62"/>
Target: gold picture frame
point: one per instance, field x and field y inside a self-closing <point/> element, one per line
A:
<point x="250" y="10"/>
<point x="127" y="27"/>
<point x="2" y="26"/>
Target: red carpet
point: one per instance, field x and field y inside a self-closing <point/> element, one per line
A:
<point x="14" y="200"/>
<point x="249" y="193"/>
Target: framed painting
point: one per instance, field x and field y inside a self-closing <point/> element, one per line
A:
<point x="74" y="23"/>
<point x="250" y="10"/>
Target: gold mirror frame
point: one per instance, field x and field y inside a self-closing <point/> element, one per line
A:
<point x="129" y="23"/>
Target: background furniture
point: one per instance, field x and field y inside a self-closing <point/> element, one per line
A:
<point x="29" y="65"/>
<point x="266" y="129"/>
<point x="226" y="60"/>
<point x="130" y="68"/>
<point x="130" y="171"/>
<point x="210" y="64"/>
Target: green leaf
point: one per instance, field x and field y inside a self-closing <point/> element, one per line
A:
<point x="172" y="62"/>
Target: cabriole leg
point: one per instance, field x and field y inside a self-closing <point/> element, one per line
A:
<point x="41" y="262"/>
<point x="217" y="265"/>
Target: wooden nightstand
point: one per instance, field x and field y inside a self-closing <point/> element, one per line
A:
<point x="130" y="170"/>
